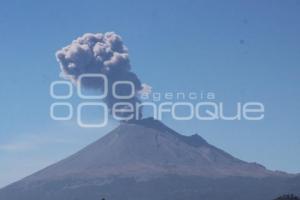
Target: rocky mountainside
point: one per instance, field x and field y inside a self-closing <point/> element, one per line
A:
<point x="147" y="160"/>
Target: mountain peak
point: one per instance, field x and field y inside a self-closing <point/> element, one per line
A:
<point x="148" y="148"/>
<point x="193" y="140"/>
<point x="150" y="122"/>
<point x="144" y="150"/>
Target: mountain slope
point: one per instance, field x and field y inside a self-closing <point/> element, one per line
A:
<point x="139" y="154"/>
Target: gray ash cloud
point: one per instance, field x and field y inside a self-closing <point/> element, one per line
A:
<point x="99" y="54"/>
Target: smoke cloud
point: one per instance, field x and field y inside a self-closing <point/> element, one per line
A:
<point x="100" y="54"/>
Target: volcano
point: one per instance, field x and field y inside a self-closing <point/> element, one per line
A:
<point x="145" y="160"/>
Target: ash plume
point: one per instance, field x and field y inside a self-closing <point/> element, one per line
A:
<point x="100" y="54"/>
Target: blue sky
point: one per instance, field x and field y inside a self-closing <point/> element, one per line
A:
<point x="241" y="51"/>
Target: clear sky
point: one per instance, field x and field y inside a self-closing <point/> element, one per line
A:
<point x="241" y="51"/>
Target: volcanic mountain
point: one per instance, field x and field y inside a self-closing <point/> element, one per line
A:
<point x="145" y="160"/>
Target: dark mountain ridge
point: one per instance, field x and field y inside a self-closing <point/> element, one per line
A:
<point x="144" y="160"/>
